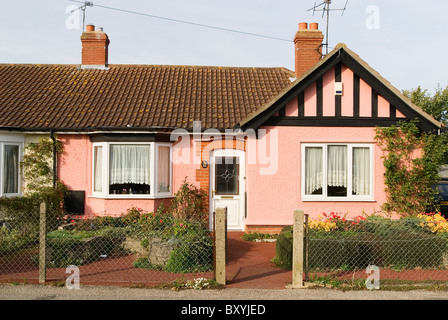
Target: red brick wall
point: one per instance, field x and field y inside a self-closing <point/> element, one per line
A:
<point x="95" y="47"/>
<point x="94" y="53"/>
<point x="308" y="48"/>
<point x="203" y="149"/>
<point x="263" y="229"/>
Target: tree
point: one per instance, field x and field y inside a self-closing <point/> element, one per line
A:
<point x="435" y="105"/>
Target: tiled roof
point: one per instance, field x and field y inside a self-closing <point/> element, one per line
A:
<point x="34" y="97"/>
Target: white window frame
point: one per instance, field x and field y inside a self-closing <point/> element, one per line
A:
<point x="324" y="197"/>
<point x="7" y="140"/>
<point x="156" y="176"/>
<point x="154" y="194"/>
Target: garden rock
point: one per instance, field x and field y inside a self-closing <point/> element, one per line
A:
<point x="159" y="252"/>
<point x="134" y="246"/>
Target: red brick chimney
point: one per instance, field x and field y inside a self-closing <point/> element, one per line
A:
<point x="308" y="47"/>
<point x="95" y="48"/>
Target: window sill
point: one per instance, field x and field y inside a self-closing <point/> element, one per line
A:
<point x="129" y="197"/>
<point x="11" y="195"/>
<point x="337" y="200"/>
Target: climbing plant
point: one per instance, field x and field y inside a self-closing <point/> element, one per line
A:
<point x="412" y="159"/>
<point x="37" y="165"/>
<point x="37" y="173"/>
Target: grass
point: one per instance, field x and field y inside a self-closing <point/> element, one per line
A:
<point x="196" y="284"/>
<point x="258" y="236"/>
<point x="386" y="284"/>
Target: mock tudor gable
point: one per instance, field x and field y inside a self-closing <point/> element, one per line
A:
<point x="365" y="98"/>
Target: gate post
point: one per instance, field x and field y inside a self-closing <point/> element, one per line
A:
<point x="43" y="243"/>
<point x="220" y="245"/>
<point x="297" y="251"/>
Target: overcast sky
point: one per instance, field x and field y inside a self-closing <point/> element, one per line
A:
<point x="404" y="40"/>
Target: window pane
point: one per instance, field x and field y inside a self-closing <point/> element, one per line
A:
<point x="163" y="171"/>
<point x="129" y="169"/>
<point x="361" y="171"/>
<point x="313" y="170"/>
<point x="11" y="169"/>
<point x="337" y="171"/>
<point x="226" y="175"/>
<point x="98" y="169"/>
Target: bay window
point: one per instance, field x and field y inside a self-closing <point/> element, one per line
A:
<point x="337" y="172"/>
<point x="131" y="169"/>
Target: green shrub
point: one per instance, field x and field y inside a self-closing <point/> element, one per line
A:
<point x="99" y="223"/>
<point x="13" y="239"/>
<point x="157" y="221"/>
<point x="377" y="241"/>
<point x="190" y="203"/>
<point x="132" y="216"/>
<point x="283" y="248"/>
<point x="258" y="236"/>
<point x="194" y="252"/>
<point x="81" y="247"/>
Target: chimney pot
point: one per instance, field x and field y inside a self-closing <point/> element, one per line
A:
<point x="314" y="26"/>
<point x="303" y="26"/>
<point x="90" y="27"/>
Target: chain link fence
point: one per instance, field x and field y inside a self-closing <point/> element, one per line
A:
<point x="353" y="254"/>
<point x="137" y="248"/>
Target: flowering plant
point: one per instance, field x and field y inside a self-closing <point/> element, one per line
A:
<point x="198" y="283"/>
<point x="324" y="223"/>
<point x="434" y="221"/>
<point x="334" y="221"/>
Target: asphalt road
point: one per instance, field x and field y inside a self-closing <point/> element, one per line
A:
<point x="47" y="292"/>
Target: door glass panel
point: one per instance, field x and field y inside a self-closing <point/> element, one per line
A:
<point x="226" y="175"/>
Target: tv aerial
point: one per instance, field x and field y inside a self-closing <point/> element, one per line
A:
<point x="83" y="9"/>
<point x="325" y="8"/>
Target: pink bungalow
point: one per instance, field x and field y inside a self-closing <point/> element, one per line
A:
<point x="261" y="141"/>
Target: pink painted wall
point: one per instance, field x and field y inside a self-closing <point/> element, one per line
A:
<point x="184" y="162"/>
<point x="291" y="109"/>
<point x="75" y="171"/>
<point x="383" y="107"/>
<point x="365" y="99"/>
<point x="310" y="101"/>
<point x="272" y="198"/>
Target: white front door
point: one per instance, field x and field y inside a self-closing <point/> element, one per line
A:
<point x="227" y="185"/>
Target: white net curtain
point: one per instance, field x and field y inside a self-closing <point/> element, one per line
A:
<point x="337" y="171"/>
<point x="129" y="164"/>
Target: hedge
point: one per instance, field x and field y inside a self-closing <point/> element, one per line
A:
<point x="381" y="245"/>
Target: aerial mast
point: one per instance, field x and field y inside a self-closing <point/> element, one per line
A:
<point x="83" y="9"/>
<point x="325" y="8"/>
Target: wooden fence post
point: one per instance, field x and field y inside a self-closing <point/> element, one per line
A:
<point x="43" y="243"/>
<point x="297" y="251"/>
<point x="220" y="245"/>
